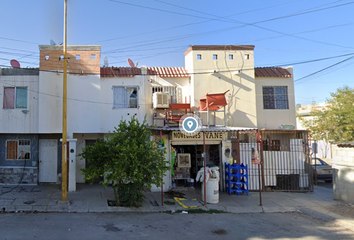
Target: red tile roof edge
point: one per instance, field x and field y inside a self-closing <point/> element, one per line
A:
<point x="131" y="72"/>
<point x="274" y="72"/>
<point x="119" y="71"/>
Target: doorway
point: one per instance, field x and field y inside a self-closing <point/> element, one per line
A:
<point x="48" y="160"/>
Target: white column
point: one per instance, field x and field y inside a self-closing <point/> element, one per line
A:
<point x="72" y="165"/>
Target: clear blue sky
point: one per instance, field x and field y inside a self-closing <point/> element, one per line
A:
<point x="298" y="33"/>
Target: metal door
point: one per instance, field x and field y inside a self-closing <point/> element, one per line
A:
<point x="48" y="160"/>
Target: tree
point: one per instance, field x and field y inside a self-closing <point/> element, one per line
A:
<point x="128" y="160"/>
<point x="334" y="122"/>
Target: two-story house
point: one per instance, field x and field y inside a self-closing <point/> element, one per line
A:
<point x="249" y="99"/>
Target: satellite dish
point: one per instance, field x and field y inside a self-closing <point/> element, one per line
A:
<point x="52" y="42"/>
<point x="105" y="59"/>
<point x="14" y="63"/>
<point x="131" y="63"/>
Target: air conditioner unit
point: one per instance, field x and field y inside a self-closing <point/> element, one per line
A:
<point x="160" y="100"/>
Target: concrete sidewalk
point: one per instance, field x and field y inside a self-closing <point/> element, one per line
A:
<point x="93" y="198"/>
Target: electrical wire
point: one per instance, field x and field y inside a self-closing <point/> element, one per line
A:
<point x="254" y="24"/>
<point x="323" y="69"/>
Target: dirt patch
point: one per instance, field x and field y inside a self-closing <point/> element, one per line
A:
<point x="111" y="228"/>
<point x="342" y="209"/>
<point x="220" y="232"/>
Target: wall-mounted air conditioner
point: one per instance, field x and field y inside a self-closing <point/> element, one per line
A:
<point x="160" y="100"/>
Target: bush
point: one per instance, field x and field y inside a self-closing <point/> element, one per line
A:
<point x="129" y="160"/>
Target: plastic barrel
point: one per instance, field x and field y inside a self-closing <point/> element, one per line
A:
<point x="212" y="191"/>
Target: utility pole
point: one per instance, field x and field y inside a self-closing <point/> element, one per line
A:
<point x="64" y="170"/>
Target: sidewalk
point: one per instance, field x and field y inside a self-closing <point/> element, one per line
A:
<point x="93" y="198"/>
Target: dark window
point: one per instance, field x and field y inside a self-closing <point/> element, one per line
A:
<point x="271" y="145"/>
<point x="199" y="56"/>
<point x="18" y="149"/>
<point x="275" y="97"/>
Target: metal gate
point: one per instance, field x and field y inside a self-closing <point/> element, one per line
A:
<point x="284" y="155"/>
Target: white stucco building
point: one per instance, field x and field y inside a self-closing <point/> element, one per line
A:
<point x="99" y="97"/>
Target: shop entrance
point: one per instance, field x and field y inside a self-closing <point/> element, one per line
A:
<point x="189" y="160"/>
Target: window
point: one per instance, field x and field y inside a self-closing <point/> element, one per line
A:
<point x="275" y="97"/>
<point x="199" y="56"/>
<point x="215" y="56"/>
<point x="171" y="90"/>
<point x="47" y="57"/>
<point x="271" y="145"/>
<point x="77" y="57"/>
<point x="247" y="56"/>
<point x="125" y="97"/>
<point x="231" y="57"/>
<point x="18" y="149"/>
<point x="93" y="56"/>
<point x="15" y="97"/>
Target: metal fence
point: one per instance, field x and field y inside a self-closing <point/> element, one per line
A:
<point x="284" y="155"/>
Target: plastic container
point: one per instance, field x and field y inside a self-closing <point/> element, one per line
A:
<point x="190" y="182"/>
<point x="212" y="191"/>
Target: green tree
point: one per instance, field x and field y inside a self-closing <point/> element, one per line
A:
<point x="128" y="159"/>
<point x="334" y="122"/>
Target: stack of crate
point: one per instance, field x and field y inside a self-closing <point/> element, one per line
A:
<point x="236" y="178"/>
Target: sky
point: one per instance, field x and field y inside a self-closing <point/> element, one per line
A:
<point x="315" y="37"/>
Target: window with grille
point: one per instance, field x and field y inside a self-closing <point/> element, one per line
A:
<point x="271" y="145"/>
<point x="275" y="97"/>
<point x="171" y="90"/>
<point x="18" y="149"/>
<point x="15" y="97"/>
<point x="125" y="97"/>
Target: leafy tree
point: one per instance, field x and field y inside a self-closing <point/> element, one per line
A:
<point x="128" y="160"/>
<point x="334" y="122"/>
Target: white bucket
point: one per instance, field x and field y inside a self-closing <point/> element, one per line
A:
<point x="212" y="191"/>
<point x="190" y="182"/>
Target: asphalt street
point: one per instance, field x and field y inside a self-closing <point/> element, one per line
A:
<point x="177" y="226"/>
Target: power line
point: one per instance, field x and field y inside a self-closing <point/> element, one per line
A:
<point x="323" y="69"/>
<point x="189" y="24"/>
<point x="254" y="24"/>
<point x="17" y="40"/>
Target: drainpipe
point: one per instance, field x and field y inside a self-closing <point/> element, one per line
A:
<point x="204" y="160"/>
<point x="162" y="176"/>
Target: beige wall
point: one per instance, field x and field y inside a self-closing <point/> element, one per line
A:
<point x="241" y="112"/>
<point x="274" y="118"/>
<point x="343" y="173"/>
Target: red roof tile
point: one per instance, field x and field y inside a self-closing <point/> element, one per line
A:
<point x="163" y="72"/>
<point x="274" y="72"/>
<point x="120" y="71"/>
<point x="168" y="71"/>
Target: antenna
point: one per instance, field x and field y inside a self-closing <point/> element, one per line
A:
<point x="52" y="42"/>
<point x="105" y="59"/>
<point x="131" y="63"/>
<point x="14" y="63"/>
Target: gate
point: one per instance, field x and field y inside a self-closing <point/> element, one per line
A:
<point x="284" y="155"/>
